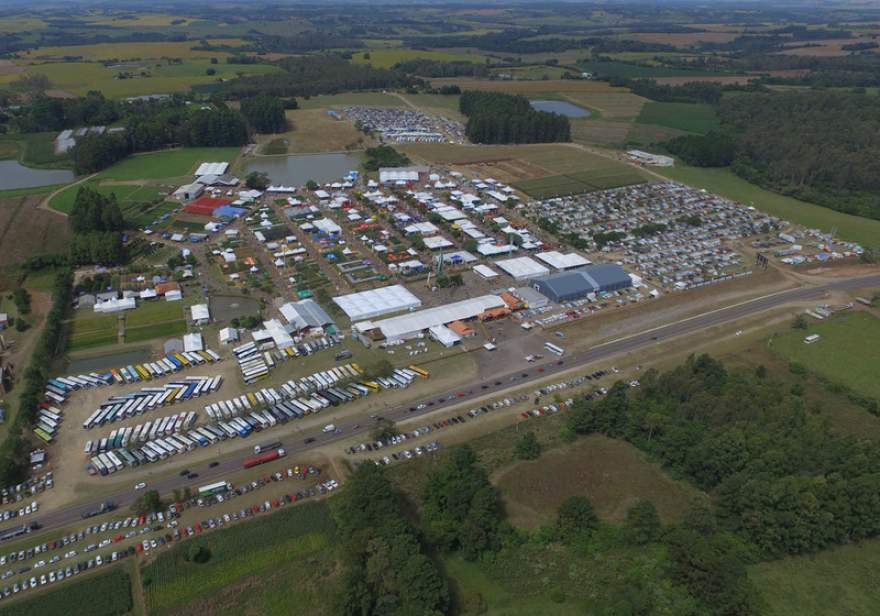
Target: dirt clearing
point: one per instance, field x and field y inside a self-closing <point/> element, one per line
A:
<point x="26" y="230"/>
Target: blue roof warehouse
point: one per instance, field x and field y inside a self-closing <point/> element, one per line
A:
<point x="578" y="283"/>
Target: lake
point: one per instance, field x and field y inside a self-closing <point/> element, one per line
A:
<point x="561" y="107"/>
<point x="15" y="175"/>
<point x="296" y="170"/>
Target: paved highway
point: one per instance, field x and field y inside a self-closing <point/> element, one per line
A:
<point x="497" y="385"/>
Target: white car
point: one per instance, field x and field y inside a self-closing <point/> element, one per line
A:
<point x="140" y="486"/>
<point x="329" y="428"/>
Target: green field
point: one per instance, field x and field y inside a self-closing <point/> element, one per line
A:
<point x="725" y="183"/>
<point x="128" y="195"/>
<point x="680" y="116"/>
<point x="846" y="352"/>
<point x="838" y="581"/>
<point x="281" y="559"/>
<point x="166" y="164"/>
<point x="80" y="77"/>
<point x="386" y="58"/>
<point x="577" y="183"/>
<point x="158" y="330"/>
<point x="95" y="594"/>
<point x="33" y="150"/>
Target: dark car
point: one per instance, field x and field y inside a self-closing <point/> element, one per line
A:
<point x="213" y="464"/>
<point x="192" y="475"/>
<point x="184" y="472"/>
<point x="311" y="439"/>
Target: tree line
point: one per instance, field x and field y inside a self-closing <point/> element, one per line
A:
<point x="435" y="68"/>
<point x="51" y="345"/>
<point x="496" y="117"/>
<point x="318" y="74"/>
<point x="97" y="225"/>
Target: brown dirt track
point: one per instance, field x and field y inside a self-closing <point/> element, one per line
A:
<point x="613" y="474"/>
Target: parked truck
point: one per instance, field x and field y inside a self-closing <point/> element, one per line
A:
<point x="262" y="458"/>
<point x="266" y="447"/>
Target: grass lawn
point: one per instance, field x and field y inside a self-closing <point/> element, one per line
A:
<point x="127" y="195"/>
<point x="847" y="351"/>
<point x="167" y="164"/>
<point x="725" y="183"/>
<point x="277" y="558"/>
<point x="386" y="58"/>
<point x="681" y="116"/>
<point x="614" y="474"/>
<point x="157" y="330"/>
<point x="838" y="581"/>
<point x="33" y="150"/>
<point x="94" y="594"/>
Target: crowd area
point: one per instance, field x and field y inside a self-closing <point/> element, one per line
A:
<point x="398" y="125"/>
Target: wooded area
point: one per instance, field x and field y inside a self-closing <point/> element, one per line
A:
<point x="495" y="117"/>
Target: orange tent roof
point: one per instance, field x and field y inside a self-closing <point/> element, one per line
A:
<point x="461" y="329"/>
<point x="163" y="287"/>
<point x="511" y="300"/>
<point x="494" y="313"/>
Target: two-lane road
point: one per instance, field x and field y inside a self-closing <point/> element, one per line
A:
<point x="475" y="389"/>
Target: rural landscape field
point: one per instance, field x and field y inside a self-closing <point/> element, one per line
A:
<point x="359" y="309"/>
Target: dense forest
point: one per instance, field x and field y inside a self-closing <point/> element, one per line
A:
<point x="822" y="147"/>
<point x="313" y="75"/>
<point x="434" y="68"/>
<point x="495" y="117"/>
<point x="264" y="114"/>
<point x="97" y="225"/>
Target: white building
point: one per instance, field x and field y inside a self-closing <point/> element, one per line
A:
<point x="200" y="313"/>
<point x="562" y="261"/>
<point x="376" y="302"/>
<point x="115" y="305"/>
<point x="646" y="158"/>
<point x="193" y="342"/>
<point x="211" y="169"/>
<point x="228" y="335"/>
<point x="521" y="268"/>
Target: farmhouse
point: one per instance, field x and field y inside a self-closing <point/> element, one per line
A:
<point x="578" y="283"/>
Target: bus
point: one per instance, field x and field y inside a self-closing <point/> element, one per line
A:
<point x="420" y="371"/>
<point x="559" y="351"/>
<point x="211" y="489"/>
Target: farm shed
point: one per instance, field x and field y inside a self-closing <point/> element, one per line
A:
<point x="376" y="302"/>
<point x="200" y="313"/>
<point x="193" y="342"/>
<point x="444" y="335"/>
<point x="188" y="192"/>
<point x="578" y="283"/>
<point x="211" y="169"/>
<point x="485" y="271"/>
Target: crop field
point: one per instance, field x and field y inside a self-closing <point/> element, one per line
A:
<point x="127" y="51"/>
<point x="33" y="150"/>
<point x="725" y="183"/>
<point x="144" y="333"/>
<point x="537" y="71"/>
<point x="144" y="20"/>
<point x="683" y="39"/>
<point x="386" y="58"/>
<point x="26" y="230"/>
<point x="286" y="545"/>
<point x="846" y="352"/>
<point x="619" y="104"/>
<point x="613" y="474"/>
<point x="94" y="594"/>
<point x="680" y="116"/>
<point x="842" y="580"/>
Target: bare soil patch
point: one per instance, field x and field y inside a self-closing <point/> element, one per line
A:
<point x="27" y="230"/>
<point x="613" y="474"/>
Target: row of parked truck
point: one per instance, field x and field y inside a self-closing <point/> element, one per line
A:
<point x="134" y="403"/>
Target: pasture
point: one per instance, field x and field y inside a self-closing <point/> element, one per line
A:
<point x="314" y="130"/>
<point x="150" y="320"/>
<point x="527" y="87"/>
<point x="267" y="556"/>
<point x="842" y="580"/>
<point x="686" y="117"/>
<point x="33" y="150"/>
<point x="846" y="353"/>
<point x="613" y="474"/>
<point x="127" y="195"/>
<point x="724" y="182"/>
<point x="167" y="163"/>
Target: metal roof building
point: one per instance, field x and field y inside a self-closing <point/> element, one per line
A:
<point x="561" y="261"/>
<point x="305" y="314"/>
<point x="578" y="283"/>
<point x="376" y="302"/>
<point x="522" y="267"/>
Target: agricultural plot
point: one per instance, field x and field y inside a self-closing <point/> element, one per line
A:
<point x="613" y="474"/>
<point x="100" y="594"/>
<point x="386" y="58"/>
<point x="32" y="149"/>
<point x="838" y="581"/>
<point x="315" y="130"/>
<point x="604" y="68"/>
<point x="122" y="51"/>
<point x="680" y="116"/>
<point x="166" y="164"/>
<point x="617" y="105"/>
<point x="26" y="230"/>
<point x="131" y="197"/>
<point x="527" y="87"/>
<point x="242" y="555"/>
<point x="846" y="352"/>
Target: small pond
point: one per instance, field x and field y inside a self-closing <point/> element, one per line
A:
<point x="15" y="175"/>
<point x="297" y="169"/>
<point x="95" y="363"/>
<point x="561" y="107"/>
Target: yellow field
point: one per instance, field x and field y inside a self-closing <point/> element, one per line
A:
<point x="386" y="58"/>
<point x="141" y="19"/>
<point x="21" y="23"/>
<point x="618" y="103"/>
<point x="109" y="51"/>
